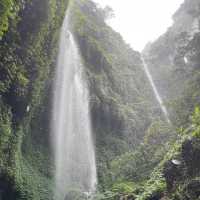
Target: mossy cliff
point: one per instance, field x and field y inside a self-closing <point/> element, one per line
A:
<point x="29" y="32"/>
<point x="122" y="103"/>
<point x="139" y="156"/>
<point x="174" y="62"/>
<point x="121" y="99"/>
<point x="174" y="59"/>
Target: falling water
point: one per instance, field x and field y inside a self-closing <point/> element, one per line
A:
<point x="158" y="97"/>
<point x="72" y="140"/>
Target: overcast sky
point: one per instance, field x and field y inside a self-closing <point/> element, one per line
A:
<point x="141" y="21"/>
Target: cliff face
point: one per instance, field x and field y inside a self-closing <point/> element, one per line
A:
<point x="136" y="150"/>
<point x="121" y="99"/>
<point x="174" y="59"/>
<point x="138" y="160"/>
<point x="28" y="50"/>
<point x="174" y="62"/>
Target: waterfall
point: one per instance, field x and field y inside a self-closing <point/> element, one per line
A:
<point x="157" y="95"/>
<point x="75" y="166"/>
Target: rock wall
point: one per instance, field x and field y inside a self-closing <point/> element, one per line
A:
<point x="28" y="50"/>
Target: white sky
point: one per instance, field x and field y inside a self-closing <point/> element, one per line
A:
<point x="141" y="21"/>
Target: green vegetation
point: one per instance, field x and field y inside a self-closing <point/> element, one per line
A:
<point x="8" y="10"/>
<point x="135" y="159"/>
<point x="139" y="156"/>
<point x="121" y="108"/>
<point x="196" y="122"/>
<point x="29" y="32"/>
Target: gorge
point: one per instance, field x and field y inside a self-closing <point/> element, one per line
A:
<point x="84" y="116"/>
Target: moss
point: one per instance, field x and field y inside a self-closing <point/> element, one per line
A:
<point x="28" y="56"/>
<point x="8" y="10"/>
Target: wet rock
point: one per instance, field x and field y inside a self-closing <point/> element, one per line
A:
<point x="193" y="189"/>
<point x="191" y="156"/>
<point x="172" y="173"/>
<point x="176" y="162"/>
<point x="7" y="190"/>
<point x="156" y="196"/>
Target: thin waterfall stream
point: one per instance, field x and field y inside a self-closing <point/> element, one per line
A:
<point x="75" y="166"/>
<point x="157" y="95"/>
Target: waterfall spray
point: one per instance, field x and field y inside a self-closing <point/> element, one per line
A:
<point x="157" y="95"/>
<point x="71" y="129"/>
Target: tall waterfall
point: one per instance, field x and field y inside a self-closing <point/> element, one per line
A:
<point x="157" y="95"/>
<point x="71" y="129"/>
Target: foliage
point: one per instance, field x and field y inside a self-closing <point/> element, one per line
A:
<point x="28" y="51"/>
<point x="173" y="60"/>
<point x="8" y="9"/>
<point x="123" y="187"/>
<point x="108" y="195"/>
<point x="154" y="187"/>
<point x="133" y="143"/>
<point x="196" y="122"/>
<point x="121" y="107"/>
<point x="6" y="135"/>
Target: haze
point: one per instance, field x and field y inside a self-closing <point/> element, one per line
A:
<point x="141" y="21"/>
